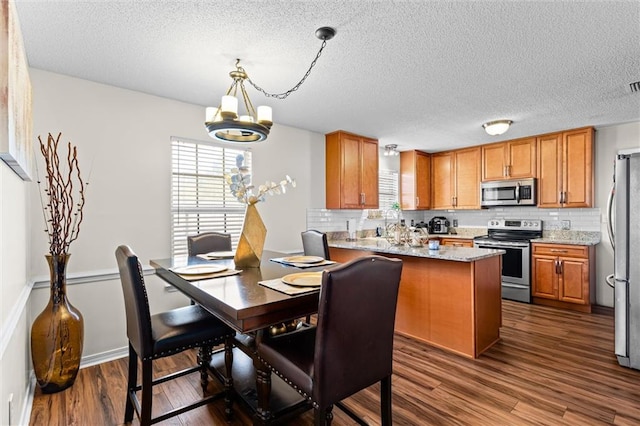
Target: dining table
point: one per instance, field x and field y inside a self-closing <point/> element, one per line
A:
<point x="254" y="302"/>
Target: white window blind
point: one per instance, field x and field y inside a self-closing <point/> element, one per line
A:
<point x="200" y="198"/>
<point x="387" y="188"/>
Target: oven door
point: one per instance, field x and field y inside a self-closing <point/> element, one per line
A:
<point x="516" y="283"/>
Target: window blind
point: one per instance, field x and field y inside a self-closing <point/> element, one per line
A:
<point x="387" y="188"/>
<point x="200" y="198"/>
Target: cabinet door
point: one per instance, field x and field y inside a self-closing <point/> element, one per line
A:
<point x="549" y="170"/>
<point x="574" y="281"/>
<point x="578" y="168"/>
<point x="467" y="182"/>
<point x="544" y="282"/>
<point x="415" y="180"/>
<point x="521" y="161"/>
<point x="369" y="174"/>
<point x="493" y="162"/>
<point x="350" y="173"/>
<point x="442" y="180"/>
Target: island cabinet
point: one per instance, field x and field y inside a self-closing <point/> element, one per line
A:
<point x="454" y="305"/>
<point x="351" y="171"/>
<point x="455" y="179"/>
<point x="565" y="169"/>
<point x="514" y="159"/>
<point x="563" y="276"/>
<point x="415" y="180"/>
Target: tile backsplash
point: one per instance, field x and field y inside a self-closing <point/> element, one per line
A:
<point x="553" y="219"/>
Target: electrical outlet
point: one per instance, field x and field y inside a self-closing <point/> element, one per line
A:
<point x="566" y="225"/>
<point x="11" y="415"/>
<point x="455" y="223"/>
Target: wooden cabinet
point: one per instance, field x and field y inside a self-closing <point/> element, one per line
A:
<point x="563" y="276"/>
<point x="514" y="159"/>
<point x="351" y="171"/>
<point x="415" y="180"/>
<point x="455" y="179"/>
<point x="456" y="242"/>
<point x="565" y="169"/>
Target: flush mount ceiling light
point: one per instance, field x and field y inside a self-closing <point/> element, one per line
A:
<point x="224" y="123"/>
<point x="390" y="150"/>
<point x="497" y="127"/>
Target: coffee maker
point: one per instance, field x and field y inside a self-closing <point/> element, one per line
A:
<point x="439" y="225"/>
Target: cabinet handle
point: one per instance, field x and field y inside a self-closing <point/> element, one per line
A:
<point x="559" y="251"/>
<point x="560" y="263"/>
<point x="457" y="244"/>
<point x="504" y="171"/>
<point x="454" y="201"/>
<point x="417" y="201"/>
<point x="362" y="198"/>
<point x="564" y="197"/>
<point x="557" y="266"/>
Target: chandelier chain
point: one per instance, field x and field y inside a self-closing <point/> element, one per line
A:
<point x="284" y="95"/>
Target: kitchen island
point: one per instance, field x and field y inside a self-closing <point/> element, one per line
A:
<point x="449" y="298"/>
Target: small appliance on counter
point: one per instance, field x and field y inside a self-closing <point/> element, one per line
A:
<point x="439" y="225"/>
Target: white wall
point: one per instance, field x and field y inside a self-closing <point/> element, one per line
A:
<point x="609" y="140"/>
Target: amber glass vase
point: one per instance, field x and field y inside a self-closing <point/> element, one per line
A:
<point x="57" y="334"/>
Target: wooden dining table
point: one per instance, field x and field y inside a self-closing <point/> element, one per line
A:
<point x="251" y="309"/>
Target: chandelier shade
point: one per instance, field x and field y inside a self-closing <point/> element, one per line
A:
<point x="391" y="150"/>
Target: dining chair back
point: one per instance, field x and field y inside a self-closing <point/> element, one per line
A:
<point x="352" y="346"/>
<point x="208" y="242"/>
<point x="161" y="335"/>
<point x="314" y="243"/>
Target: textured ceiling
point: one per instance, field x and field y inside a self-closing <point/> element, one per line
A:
<point x="422" y="75"/>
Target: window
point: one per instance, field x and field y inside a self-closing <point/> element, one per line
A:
<point x="387" y="188"/>
<point x="200" y="198"/>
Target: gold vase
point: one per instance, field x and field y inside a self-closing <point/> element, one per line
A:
<point x="57" y="334"/>
<point x="251" y="243"/>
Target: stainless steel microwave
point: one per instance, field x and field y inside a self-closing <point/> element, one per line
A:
<point x="520" y="192"/>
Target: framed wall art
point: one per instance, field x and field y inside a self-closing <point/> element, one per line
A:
<point x="15" y="94"/>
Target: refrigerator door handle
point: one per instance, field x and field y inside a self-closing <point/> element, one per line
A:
<point x="612" y="237"/>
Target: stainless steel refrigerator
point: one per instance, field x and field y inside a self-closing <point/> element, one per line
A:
<point x="627" y="257"/>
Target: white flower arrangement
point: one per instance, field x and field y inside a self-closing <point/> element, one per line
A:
<point x="240" y="184"/>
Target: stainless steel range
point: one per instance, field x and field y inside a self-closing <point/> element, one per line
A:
<point x="513" y="236"/>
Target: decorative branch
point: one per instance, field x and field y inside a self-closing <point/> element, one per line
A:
<point x="241" y="187"/>
<point x="62" y="214"/>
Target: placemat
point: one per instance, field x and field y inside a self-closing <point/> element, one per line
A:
<point x="301" y="265"/>
<point x="278" y="285"/>
<point x="199" y="277"/>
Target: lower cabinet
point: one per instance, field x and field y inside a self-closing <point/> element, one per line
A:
<point x="563" y="276"/>
<point x="456" y="242"/>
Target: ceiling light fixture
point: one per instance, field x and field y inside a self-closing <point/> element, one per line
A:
<point x="497" y="127"/>
<point x="224" y="123"/>
<point x="390" y="150"/>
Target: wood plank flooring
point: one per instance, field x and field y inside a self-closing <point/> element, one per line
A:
<point x="551" y="367"/>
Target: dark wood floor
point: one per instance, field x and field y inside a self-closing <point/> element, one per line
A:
<point x="551" y="367"/>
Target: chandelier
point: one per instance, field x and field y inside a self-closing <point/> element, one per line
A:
<point x="390" y="150"/>
<point x="226" y="124"/>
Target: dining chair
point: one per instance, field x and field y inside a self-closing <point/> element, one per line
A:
<point x="314" y="243"/>
<point x="164" y="334"/>
<point x="207" y="242"/>
<point x="351" y="348"/>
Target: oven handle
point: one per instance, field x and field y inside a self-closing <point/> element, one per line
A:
<point x="518" y="286"/>
<point x="502" y="245"/>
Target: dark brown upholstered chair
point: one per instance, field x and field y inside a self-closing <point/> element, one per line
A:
<point x="208" y="242"/>
<point x="165" y="334"/>
<point x="314" y="243"/>
<point x="352" y="346"/>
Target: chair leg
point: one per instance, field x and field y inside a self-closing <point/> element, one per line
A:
<point x="147" y="392"/>
<point x="228" y="378"/>
<point x="204" y="359"/>
<point x="131" y="383"/>
<point x="385" y="401"/>
<point x="323" y="416"/>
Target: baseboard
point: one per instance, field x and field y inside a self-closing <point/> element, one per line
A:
<point x="106" y="356"/>
<point x="603" y="310"/>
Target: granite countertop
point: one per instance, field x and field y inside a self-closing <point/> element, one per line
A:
<point x="578" y="238"/>
<point x="380" y="245"/>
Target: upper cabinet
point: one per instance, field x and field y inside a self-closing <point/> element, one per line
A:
<point x="351" y="171"/>
<point x="514" y="159"/>
<point x="455" y="179"/>
<point x="415" y="180"/>
<point x="565" y="169"/>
